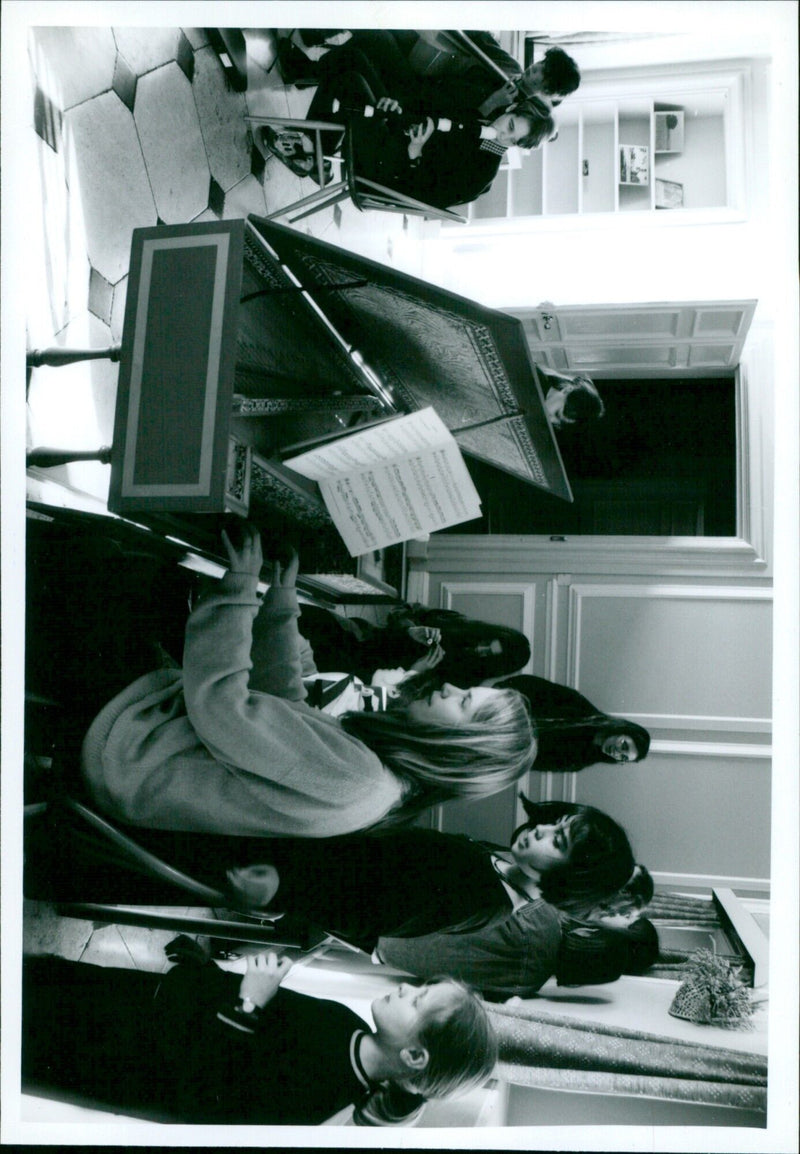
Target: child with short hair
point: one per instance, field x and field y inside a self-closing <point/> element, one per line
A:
<point x="202" y="1045"/>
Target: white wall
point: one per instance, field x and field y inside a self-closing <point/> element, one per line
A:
<point x="572" y="260"/>
<point x="689" y="658"/>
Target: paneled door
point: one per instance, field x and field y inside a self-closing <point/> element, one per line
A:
<point x="687" y="338"/>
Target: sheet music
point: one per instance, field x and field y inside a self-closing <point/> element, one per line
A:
<point x="392" y="482"/>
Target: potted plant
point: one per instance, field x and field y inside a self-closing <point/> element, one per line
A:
<point x="713" y="994"/>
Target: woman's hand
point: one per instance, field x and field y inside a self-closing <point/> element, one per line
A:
<point x="247" y="557"/>
<point x="265" y="972"/>
<point x="420" y="134"/>
<point x="284" y="575"/>
<point x="431" y="659"/>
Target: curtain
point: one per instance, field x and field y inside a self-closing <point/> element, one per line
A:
<point x="560" y="1053"/>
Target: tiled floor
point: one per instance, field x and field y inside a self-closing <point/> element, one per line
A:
<point x="130" y="127"/>
<point x="127" y="947"/>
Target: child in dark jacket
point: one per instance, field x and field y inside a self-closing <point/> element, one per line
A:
<point x="442" y="154"/>
<point x="200" y="1045"/>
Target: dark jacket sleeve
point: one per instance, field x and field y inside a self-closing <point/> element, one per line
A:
<point x="549" y="699"/>
<point x="452" y="169"/>
<point x="488" y="45"/>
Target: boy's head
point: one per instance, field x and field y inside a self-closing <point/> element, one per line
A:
<point x="573" y="401"/>
<point x="438" y="1035"/>
<point x="528" y="124"/>
<point x="628" y="904"/>
<point x="554" y="77"/>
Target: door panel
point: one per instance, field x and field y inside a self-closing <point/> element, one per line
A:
<point x="637" y="340"/>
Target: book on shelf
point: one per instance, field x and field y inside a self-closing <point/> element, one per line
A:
<point x="398" y="479"/>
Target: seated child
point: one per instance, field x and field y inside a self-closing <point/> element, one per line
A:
<point x="461" y="649"/>
<point x="443" y="156"/>
<point x="570" y="400"/>
<point x="405" y="883"/>
<point x="200" y="1045"/>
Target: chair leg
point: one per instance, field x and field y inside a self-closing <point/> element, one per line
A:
<point x="239" y="931"/>
<point x="332" y="199"/>
<point x="319" y="199"/>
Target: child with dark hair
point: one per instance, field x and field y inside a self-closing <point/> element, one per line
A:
<point x="466" y="651"/>
<point x="599" y="862"/>
<point x="442" y="153"/>
<point x="611" y="938"/>
<point x="570" y="400"/>
<point x="201" y="1045"/>
<point x="572" y="733"/>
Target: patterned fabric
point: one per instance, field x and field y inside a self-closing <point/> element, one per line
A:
<point x="492" y="145"/>
<point x="679" y="909"/>
<point x="560" y="1053"/>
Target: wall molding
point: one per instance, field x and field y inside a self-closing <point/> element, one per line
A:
<point x="579" y="592"/>
<point x="700" y="721"/>
<point x="725" y="557"/>
<point x="730" y="750"/>
<point x="709" y="881"/>
<point x="551" y="630"/>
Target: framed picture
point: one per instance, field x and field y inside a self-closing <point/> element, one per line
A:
<point x="634" y="164"/>
<point x="669" y="131"/>
<point x="669" y="194"/>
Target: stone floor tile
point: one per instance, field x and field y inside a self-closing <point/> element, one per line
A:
<point x="107" y="174"/>
<point x="147" y="48"/>
<point x="221" y="113"/>
<point x="79" y="62"/>
<point x="146" y="947"/>
<point x="46" y="932"/>
<point x="47" y="119"/>
<point x="118" y="309"/>
<point x="172" y="144"/>
<point x="282" y="187"/>
<point x="245" y="197"/>
<point x="206" y="214"/>
<point x="197" y="37"/>
<point x="185" y="57"/>
<point x="125" y="82"/>
<point x="101" y="295"/>
<point x="106" y="947"/>
<point x="216" y="198"/>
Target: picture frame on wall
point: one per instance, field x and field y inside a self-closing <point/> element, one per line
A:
<point x="669" y="131"/>
<point x="669" y="194"/>
<point x="634" y="164"/>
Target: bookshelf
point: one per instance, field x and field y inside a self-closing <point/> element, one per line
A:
<point x="628" y="147"/>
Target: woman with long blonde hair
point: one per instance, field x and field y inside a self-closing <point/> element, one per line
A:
<point x="202" y="748"/>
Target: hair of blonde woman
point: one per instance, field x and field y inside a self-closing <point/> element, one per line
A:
<point x="438" y="761"/>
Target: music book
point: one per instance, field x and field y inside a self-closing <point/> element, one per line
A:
<point x="399" y="479"/>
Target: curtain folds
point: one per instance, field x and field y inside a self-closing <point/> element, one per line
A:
<point x="556" y="1052"/>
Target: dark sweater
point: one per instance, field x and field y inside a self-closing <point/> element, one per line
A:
<point x="173" y="1048"/>
<point x="406" y="883"/>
